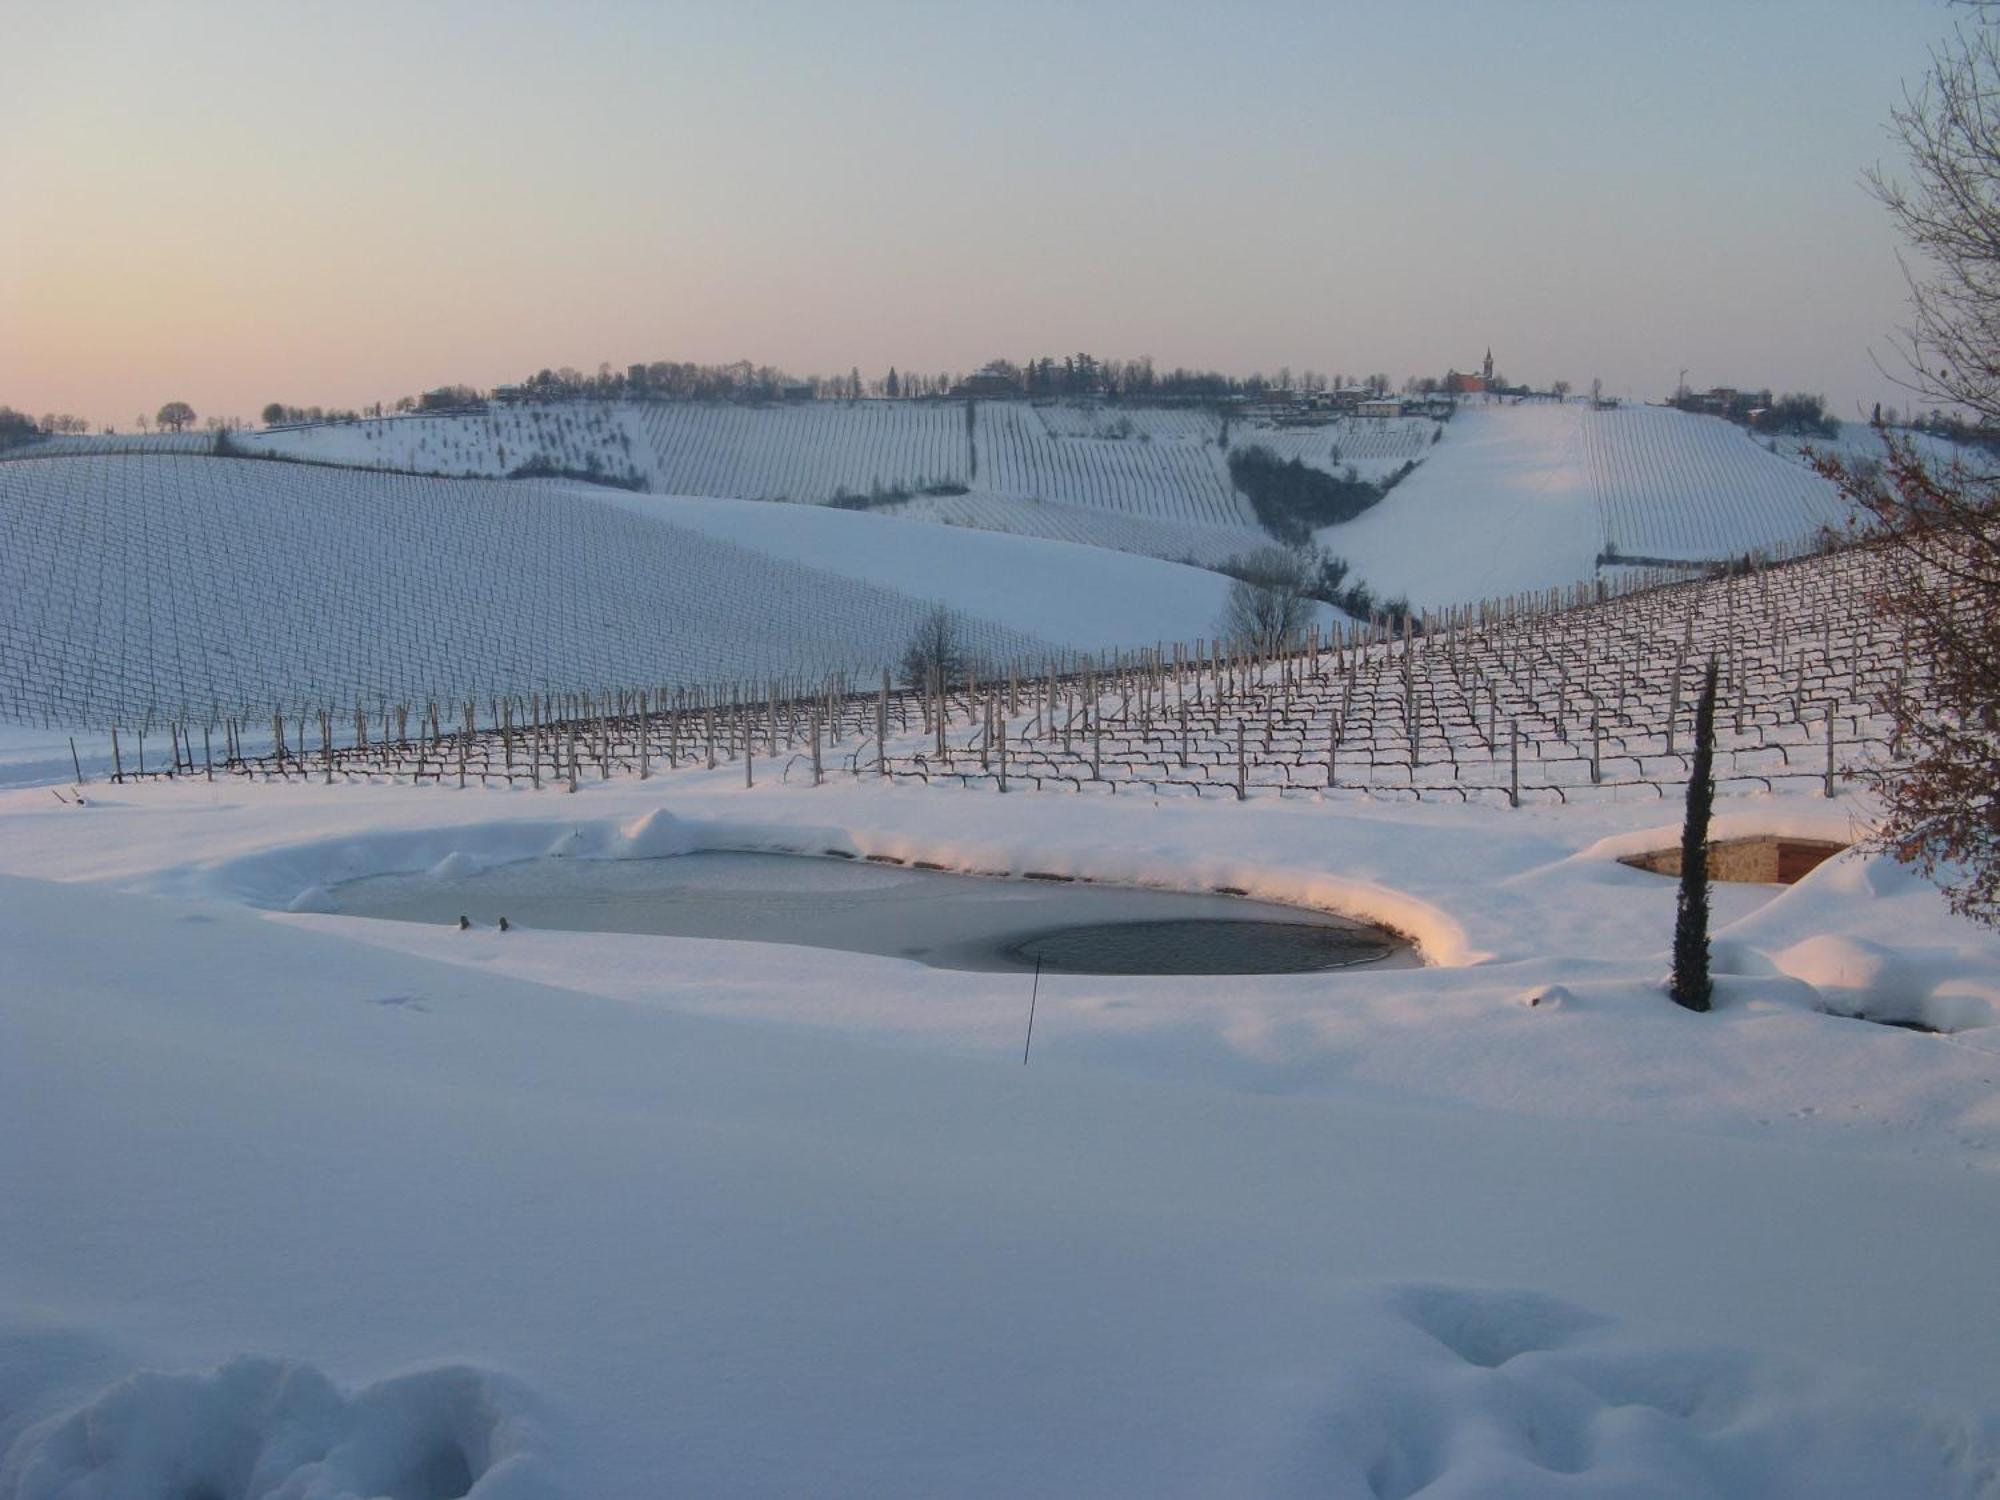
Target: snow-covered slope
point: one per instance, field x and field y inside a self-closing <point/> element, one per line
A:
<point x="1158" y="464"/>
<point x="1079" y="596"/>
<point x="1678" y="486"/>
<point x="1503" y="503"/>
<point x="1523" y="497"/>
<point x="146" y="589"/>
<point x="138" y="589"/>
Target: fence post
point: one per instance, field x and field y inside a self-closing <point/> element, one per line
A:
<point x="938" y="687"/>
<point x="1513" y="762"/>
<point x="1830" y="705"/>
<point x="882" y="728"/>
<point x="1241" y="791"/>
<point x="1674" y="708"/>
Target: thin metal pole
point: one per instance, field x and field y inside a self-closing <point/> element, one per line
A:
<point x="1034" y="995"/>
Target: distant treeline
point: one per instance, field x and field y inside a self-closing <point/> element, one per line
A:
<point x="1080" y="375"/>
<point x="1794" y="413"/>
<point x="1940" y="424"/>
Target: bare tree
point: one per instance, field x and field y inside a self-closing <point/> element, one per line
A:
<point x="1940" y="522"/>
<point x="1949" y="212"/>
<point x="1269" y="603"/>
<point x="1940" y="784"/>
<point x="936" y="646"/>
<point x="176" y="415"/>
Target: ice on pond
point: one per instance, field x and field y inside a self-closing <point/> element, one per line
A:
<point x="947" y="921"/>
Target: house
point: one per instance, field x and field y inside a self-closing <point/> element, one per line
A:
<point x="1381" y="406"/>
<point x="450" y="398"/>
<point x="992" y="381"/>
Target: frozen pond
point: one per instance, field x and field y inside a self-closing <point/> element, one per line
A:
<point x="944" y="920"/>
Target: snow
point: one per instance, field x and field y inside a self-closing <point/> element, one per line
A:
<point x="271" y="1427"/>
<point x="1520" y="498"/>
<point x="1080" y="596"/>
<point x="616" y="1214"/>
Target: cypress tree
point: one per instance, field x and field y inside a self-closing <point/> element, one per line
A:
<point x="1691" y="987"/>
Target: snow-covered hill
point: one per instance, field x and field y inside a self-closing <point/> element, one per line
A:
<point x="138" y="589"/>
<point x="1524" y="497"/>
<point x="1165" y="465"/>
<point x="1504" y="497"/>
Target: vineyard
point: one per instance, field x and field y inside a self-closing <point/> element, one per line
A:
<point x="1563" y="697"/>
<point x="1156" y="463"/>
<point x="1557" y="698"/>
<point x="141" y="590"/>
<point x="1672" y="486"/>
<point x="1021" y="515"/>
<point x="98" y="444"/>
<point x="811" y="452"/>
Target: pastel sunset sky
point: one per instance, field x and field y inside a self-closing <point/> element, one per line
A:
<point x="341" y="204"/>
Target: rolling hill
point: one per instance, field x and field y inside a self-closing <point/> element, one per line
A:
<point x="1503" y="497"/>
<point x="143" y="588"/>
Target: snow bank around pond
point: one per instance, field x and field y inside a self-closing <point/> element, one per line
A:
<point x="297" y="878"/>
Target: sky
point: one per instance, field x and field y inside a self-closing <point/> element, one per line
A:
<point x="340" y="204"/>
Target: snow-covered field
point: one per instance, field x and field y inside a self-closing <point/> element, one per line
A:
<point x="1524" y="497"/>
<point x="403" y="1210"/>
<point x="142" y="589"/>
<point x="1079" y="596"/>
